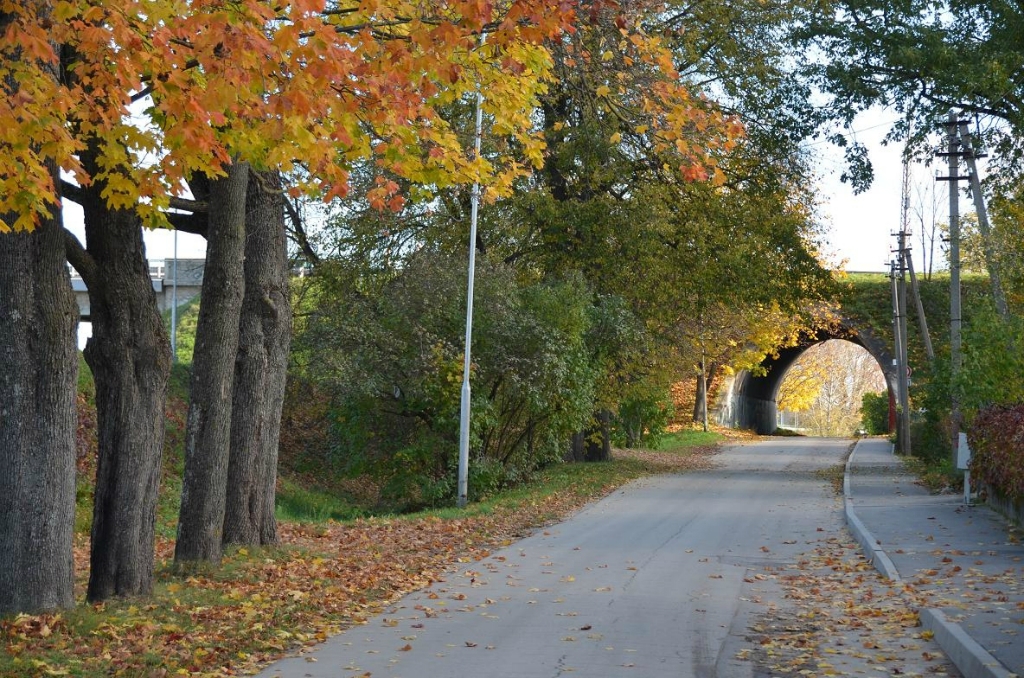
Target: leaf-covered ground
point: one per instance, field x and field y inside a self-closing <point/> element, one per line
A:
<point x="828" y="614"/>
<point x="322" y="578"/>
<point x="839" y="617"/>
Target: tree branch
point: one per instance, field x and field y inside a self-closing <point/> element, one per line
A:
<point x="188" y="205"/>
<point x="72" y="192"/>
<point x="188" y="223"/>
<point x="299" y="232"/>
<point x="79" y="257"/>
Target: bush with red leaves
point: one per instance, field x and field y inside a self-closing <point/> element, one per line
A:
<point x="997" y="443"/>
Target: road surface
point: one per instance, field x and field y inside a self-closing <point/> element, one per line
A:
<point x="663" y="578"/>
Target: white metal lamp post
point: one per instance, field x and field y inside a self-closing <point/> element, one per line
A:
<point x="464" y="414"/>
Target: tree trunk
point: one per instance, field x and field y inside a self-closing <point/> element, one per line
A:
<point x="260" y="368"/>
<point x="594" y="444"/>
<point x="208" y="428"/>
<point x="38" y="378"/>
<point x="700" y="403"/>
<point x="130" y="358"/>
<point x="38" y="321"/>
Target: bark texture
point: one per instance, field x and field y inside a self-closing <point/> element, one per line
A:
<point x="260" y="368"/>
<point x="700" y="402"/>
<point x="129" y="355"/>
<point x="38" y="355"/>
<point x="38" y="375"/>
<point x="594" y="444"/>
<point x="208" y="427"/>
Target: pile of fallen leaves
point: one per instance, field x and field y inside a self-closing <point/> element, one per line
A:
<point x="261" y="604"/>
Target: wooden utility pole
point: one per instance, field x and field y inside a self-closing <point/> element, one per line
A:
<point x="898" y="361"/>
<point x="904" y="374"/>
<point x="922" y="320"/>
<point x="915" y="290"/>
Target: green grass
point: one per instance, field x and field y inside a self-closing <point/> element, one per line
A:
<point x="296" y="503"/>
<point x="939" y="475"/>
<point x="682" y="440"/>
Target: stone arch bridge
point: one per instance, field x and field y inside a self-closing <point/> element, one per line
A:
<point x="750" y="402"/>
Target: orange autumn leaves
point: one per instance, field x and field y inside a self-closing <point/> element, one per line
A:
<point x="259" y="605"/>
<point x="168" y="88"/>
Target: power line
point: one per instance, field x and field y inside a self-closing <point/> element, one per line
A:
<point x="851" y="133"/>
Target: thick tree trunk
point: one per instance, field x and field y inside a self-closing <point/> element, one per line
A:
<point x="130" y="358"/>
<point x="38" y="321"/>
<point x="594" y="444"/>
<point x="208" y="428"/>
<point x="260" y="368"/>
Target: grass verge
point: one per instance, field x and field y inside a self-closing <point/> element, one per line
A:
<point x="938" y="475"/>
<point x="687" y="439"/>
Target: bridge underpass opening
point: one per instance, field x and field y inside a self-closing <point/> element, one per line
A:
<point x="822" y="391"/>
<point x="751" y="401"/>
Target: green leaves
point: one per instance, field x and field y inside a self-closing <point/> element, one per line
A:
<point x="921" y="59"/>
<point x="395" y="368"/>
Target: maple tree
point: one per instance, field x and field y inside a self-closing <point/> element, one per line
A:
<point x="212" y="94"/>
<point x="437" y="37"/>
<point x="37" y="382"/>
<point x="260" y="369"/>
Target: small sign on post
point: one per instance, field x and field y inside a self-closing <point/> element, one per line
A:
<point x="963" y="453"/>
<point x="963" y="462"/>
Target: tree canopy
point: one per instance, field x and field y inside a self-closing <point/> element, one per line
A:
<point x="922" y="58"/>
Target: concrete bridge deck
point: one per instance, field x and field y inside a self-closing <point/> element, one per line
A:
<point x="177" y="281"/>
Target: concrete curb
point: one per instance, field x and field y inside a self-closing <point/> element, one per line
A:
<point x="970" y="658"/>
<point x="874" y="553"/>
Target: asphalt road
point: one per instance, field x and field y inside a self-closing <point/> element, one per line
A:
<point x="662" y="578"/>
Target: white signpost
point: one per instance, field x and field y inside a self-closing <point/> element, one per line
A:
<point x="963" y="462"/>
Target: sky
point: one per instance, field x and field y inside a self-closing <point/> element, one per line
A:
<point x="861" y="226"/>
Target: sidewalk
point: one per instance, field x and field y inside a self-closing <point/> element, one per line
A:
<point x="965" y="562"/>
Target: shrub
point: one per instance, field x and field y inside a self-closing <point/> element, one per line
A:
<point x="992" y="360"/>
<point x="997" y="442"/>
<point x="388" y="350"/>
<point x="643" y="415"/>
<point x="874" y="413"/>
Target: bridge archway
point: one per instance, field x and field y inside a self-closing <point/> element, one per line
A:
<point x="749" y="401"/>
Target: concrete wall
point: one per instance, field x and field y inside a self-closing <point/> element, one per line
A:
<point x="189" y="284"/>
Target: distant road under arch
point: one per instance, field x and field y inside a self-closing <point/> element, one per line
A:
<point x="751" y="402"/>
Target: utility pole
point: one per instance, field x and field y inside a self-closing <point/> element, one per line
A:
<point x="904" y="376"/>
<point x="898" y="361"/>
<point x="915" y="290"/>
<point x="174" y="301"/>
<point x="919" y="305"/>
<point x="466" y="393"/>
<point x="991" y="262"/>
<point x="955" y="344"/>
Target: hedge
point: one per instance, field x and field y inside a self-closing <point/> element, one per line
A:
<point x="997" y="442"/>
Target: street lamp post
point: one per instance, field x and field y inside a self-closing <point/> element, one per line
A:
<point x="174" y="301"/>
<point x="464" y="412"/>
